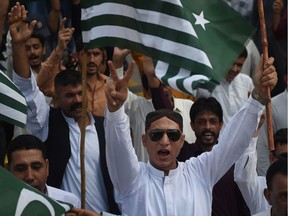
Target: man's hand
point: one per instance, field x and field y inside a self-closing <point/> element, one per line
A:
<point x="278" y="6"/>
<point x="117" y="89"/>
<point x="265" y="76"/>
<point x="64" y="36"/>
<point x="20" y="30"/>
<point x="149" y="71"/>
<point x="119" y="56"/>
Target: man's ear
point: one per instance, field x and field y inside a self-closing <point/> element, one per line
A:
<point x="144" y="140"/>
<point x="267" y="194"/>
<point x="192" y="125"/>
<point x="47" y="166"/>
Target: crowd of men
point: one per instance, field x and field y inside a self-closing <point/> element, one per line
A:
<point x="158" y="156"/>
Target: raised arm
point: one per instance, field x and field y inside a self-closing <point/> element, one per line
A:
<point x="50" y="67"/>
<point x="38" y="111"/>
<point x="236" y="136"/>
<point x="159" y="98"/>
<point x="245" y="175"/>
<point x="20" y="31"/>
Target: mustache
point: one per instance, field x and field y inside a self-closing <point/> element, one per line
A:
<point x="75" y="106"/>
<point x="91" y="64"/>
<point x="33" y="56"/>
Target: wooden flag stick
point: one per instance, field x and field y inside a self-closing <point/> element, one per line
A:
<point x="265" y="58"/>
<point x="82" y="129"/>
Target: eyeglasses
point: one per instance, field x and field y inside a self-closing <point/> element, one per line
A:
<point x="157" y="134"/>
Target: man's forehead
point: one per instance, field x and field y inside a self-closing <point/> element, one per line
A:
<point x="98" y="50"/>
<point x="33" y="40"/>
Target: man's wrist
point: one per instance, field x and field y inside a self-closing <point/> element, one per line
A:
<point x="258" y="97"/>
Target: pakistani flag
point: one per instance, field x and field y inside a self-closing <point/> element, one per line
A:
<point x="13" y="107"/>
<point x="194" y="42"/>
<point x="19" y="199"/>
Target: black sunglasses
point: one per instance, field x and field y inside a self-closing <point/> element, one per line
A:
<point x="157" y="134"/>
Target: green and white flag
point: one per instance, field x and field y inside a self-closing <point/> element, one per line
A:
<point x="13" y="107"/>
<point x="194" y="42"/>
<point x="19" y="199"/>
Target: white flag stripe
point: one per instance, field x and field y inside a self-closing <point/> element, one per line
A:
<point x="177" y="2"/>
<point x="158" y="43"/>
<point x="13" y="113"/>
<point x="9" y="92"/>
<point x="147" y="16"/>
<point x="162" y="67"/>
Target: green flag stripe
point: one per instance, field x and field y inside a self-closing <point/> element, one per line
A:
<point x="189" y="54"/>
<point x="9" y="93"/>
<point x="148" y="16"/>
<point x="124" y="43"/>
<point x="6" y="81"/>
<point x="13" y="108"/>
<point x="162" y="31"/>
<point x="170" y="7"/>
<point x="12" y="121"/>
<point x="177" y="78"/>
<point x="11" y="102"/>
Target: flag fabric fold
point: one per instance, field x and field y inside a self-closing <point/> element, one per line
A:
<point x="193" y="42"/>
<point x="13" y="107"/>
<point x="18" y="198"/>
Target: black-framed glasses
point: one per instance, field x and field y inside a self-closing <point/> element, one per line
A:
<point x="157" y="134"/>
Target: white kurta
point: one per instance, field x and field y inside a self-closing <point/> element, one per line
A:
<point x="64" y="196"/>
<point x="279" y="121"/>
<point x="187" y="190"/>
<point x="250" y="184"/>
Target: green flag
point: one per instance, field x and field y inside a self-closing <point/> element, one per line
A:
<point x="194" y="42"/>
<point x="13" y="107"/>
<point x="19" y="199"/>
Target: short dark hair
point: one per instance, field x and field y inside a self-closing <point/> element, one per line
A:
<point x="158" y="114"/>
<point x="39" y="36"/>
<point x="25" y="142"/>
<point x="278" y="167"/>
<point x="209" y="104"/>
<point x="244" y="53"/>
<point x="280" y="137"/>
<point x="68" y="77"/>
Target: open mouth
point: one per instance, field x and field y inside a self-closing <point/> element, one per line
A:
<point x="163" y="152"/>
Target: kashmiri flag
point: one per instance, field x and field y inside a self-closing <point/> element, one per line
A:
<point x="13" y="107"/>
<point x="19" y="199"/>
<point x="194" y="42"/>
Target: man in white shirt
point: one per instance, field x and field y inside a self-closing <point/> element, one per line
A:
<point x="27" y="161"/>
<point x="276" y="191"/>
<point x="251" y="185"/>
<point x="279" y="120"/>
<point x="164" y="186"/>
<point x="233" y="91"/>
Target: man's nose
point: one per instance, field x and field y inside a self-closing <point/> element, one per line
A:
<point x="29" y="176"/>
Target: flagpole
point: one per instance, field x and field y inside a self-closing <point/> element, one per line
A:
<point x="82" y="129"/>
<point x="265" y="58"/>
